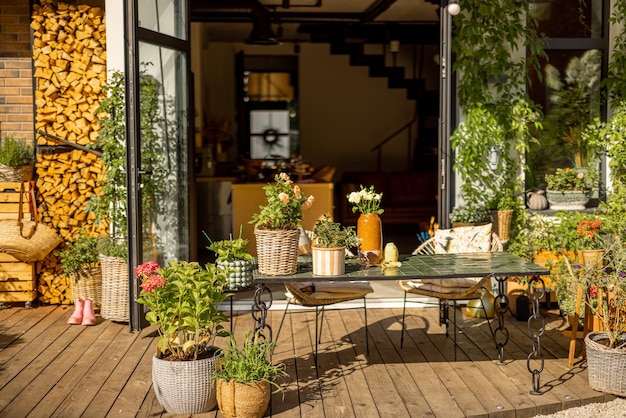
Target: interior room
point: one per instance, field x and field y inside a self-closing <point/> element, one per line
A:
<point x="336" y="93"/>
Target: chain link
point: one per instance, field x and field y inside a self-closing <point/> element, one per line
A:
<point x="501" y="334"/>
<point x="262" y="302"/>
<point x="536" y="291"/>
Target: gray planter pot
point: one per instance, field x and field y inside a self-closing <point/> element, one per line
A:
<point x="184" y="387"/>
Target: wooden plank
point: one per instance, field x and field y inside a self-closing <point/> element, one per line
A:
<point x="92" y="383"/>
<point x="117" y="378"/>
<point x="60" y="377"/>
<point x="18" y="267"/>
<point x="52" y="344"/>
<point x="18" y="296"/>
<point x="18" y="286"/>
<point x="388" y="402"/>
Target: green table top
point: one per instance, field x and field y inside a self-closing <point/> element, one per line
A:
<point x="431" y="266"/>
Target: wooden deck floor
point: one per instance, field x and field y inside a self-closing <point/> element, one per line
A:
<point x="50" y="369"/>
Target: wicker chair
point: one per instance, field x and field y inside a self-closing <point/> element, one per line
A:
<point x="322" y="294"/>
<point x="467" y="290"/>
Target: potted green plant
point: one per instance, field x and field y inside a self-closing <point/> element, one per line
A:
<point x="470" y="214"/>
<point x="502" y="207"/>
<point x="17" y="158"/>
<point x="276" y="226"/>
<point x="244" y="376"/>
<point x="233" y="258"/>
<point x="570" y="189"/>
<point x="81" y="264"/>
<point x="183" y="300"/>
<point x="328" y="249"/>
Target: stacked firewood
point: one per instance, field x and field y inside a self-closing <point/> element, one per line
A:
<point x="69" y="52"/>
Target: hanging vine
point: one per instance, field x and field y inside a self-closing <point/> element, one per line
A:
<point x="495" y="47"/>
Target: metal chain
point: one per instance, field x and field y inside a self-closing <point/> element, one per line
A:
<point x="260" y="306"/>
<point x="536" y="329"/>
<point x="501" y="334"/>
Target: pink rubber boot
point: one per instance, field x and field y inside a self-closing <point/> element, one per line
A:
<point x="77" y="316"/>
<point x="89" y="318"/>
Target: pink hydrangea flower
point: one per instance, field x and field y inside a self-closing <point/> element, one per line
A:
<point x="152" y="282"/>
<point x="146" y="269"/>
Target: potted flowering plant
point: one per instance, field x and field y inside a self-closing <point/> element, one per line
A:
<point x="276" y="226"/>
<point x="183" y="300"/>
<point x="369" y="226"/>
<point x="569" y="189"/>
<point x="330" y="240"/>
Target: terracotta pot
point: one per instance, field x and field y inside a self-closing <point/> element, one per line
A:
<point x="369" y="228"/>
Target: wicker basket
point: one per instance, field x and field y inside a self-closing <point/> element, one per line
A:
<point x="606" y="366"/>
<point x="115" y="294"/>
<point x="88" y="285"/>
<point x="184" y="387"/>
<point x="243" y="399"/>
<point x="277" y="251"/>
<point x="18" y="174"/>
<point x="502" y="223"/>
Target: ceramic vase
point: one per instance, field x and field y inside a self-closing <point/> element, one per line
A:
<point x="369" y="228"/>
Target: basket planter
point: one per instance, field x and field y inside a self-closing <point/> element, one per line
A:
<point x="249" y="400"/>
<point x="277" y="251"/>
<point x="16" y="174"/>
<point x="606" y="366"/>
<point x="114" y="289"/>
<point x="88" y="285"/>
<point x="240" y="276"/>
<point x="184" y="387"/>
<point x="502" y="223"/>
<point x="567" y="200"/>
<point x="329" y="261"/>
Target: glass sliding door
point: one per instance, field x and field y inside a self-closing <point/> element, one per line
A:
<point x="158" y="144"/>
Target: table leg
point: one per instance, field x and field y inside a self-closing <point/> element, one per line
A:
<point x="536" y="328"/>
<point x="501" y="333"/>
<point x="261" y="304"/>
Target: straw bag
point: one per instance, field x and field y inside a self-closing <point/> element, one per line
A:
<point x="27" y="240"/>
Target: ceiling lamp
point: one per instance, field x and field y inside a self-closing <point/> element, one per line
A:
<point x="262" y="33"/>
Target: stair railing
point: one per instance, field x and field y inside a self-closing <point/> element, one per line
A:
<point x="408" y="128"/>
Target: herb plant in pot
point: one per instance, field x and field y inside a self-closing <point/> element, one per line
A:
<point x="183" y="300"/>
<point x="330" y="240"/>
<point x="81" y="263"/>
<point x="276" y="226"/>
<point x="244" y="376"/>
<point x="17" y="158"/>
<point x="233" y="258"/>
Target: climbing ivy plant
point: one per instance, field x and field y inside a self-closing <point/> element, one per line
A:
<point x="495" y="45"/>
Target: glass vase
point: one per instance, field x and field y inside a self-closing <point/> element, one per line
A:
<point x="369" y="228"/>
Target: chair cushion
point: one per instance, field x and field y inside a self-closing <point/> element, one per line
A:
<point x="465" y="239"/>
<point x="331" y="291"/>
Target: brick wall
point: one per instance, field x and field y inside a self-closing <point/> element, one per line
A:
<point x="16" y="82"/>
